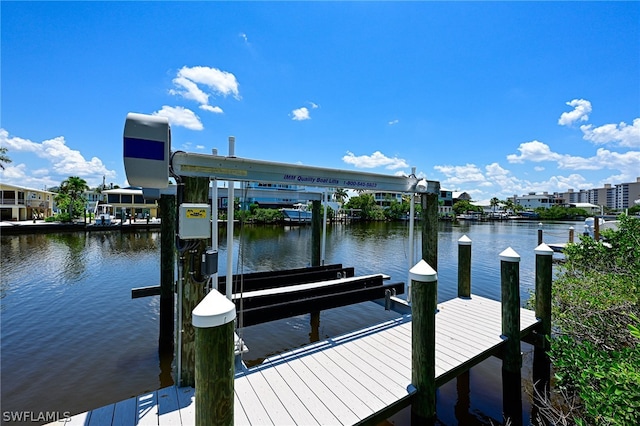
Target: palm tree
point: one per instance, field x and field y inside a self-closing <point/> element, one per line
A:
<point x="509" y="204"/>
<point x="340" y="195"/>
<point x="73" y="187"/>
<point x="494" y="203"/>
<point x="4" y="159"/>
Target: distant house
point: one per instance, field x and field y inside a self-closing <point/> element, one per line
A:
<point x="384" y="199"/>
<point x="532" y="201"/>
<point x="131" y="202"/>
<point x="276" y="195"/>
<point x="445" y="203"/>
<point x="588" y="207"/>
<point x="21" y="203"/>
<point x="458" y="196"/>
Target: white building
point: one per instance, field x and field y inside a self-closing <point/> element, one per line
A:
<point x="532" y="201"/>
<point x="21" y="203"/>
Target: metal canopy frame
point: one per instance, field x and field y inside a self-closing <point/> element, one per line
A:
<point x="244" y="169"/>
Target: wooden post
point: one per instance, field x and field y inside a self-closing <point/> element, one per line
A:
<point x="511" y="397"/>
<point x="429" y="204"/>
<point x="213" y="320"/>
<point x="196" y="190"/>
<point x="539" y="233"/>
<point x="510" y="284"/>
<point x="463" y="403"/>
<point x="316" y="232"/>
<point x="571" y="234"/>
<point x="596" y="228"/>
<point x="167" y="271"/>
<point x="424" y="284"/>
<point x="541" y="374"/>
<point x="544" y="266"/>
<point x="464" y="267"/>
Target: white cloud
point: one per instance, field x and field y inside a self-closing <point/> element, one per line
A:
<point x="214" y="109"/>
<point x="221" y="82"/>
<point x="190" y="90"/>
<point x="604" y="159"/>
<point x="393" y="122"/>
<point x="64" y="162"/>
<point x="624" y="134"/>
<point x="377" y="159"/>
<point x="300" y="114"/>
<point x="244" y="37"/>
<point x="581" y="111"/>
<point x="538" y="168"/>
<point x="533" y="151"/>
<point x="458" y="176"/>
<point x="180" y="116"/>
<point x="191" y="83"/>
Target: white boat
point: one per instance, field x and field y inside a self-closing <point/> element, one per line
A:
<point x="589" y="225"/>
<point x="103" y="214"/>
<point x="298" y="213"/>
<point x="469" y="216"/>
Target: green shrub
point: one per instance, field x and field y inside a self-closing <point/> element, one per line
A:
<point x="596" y="348"/>
<point x="606" y="382"/>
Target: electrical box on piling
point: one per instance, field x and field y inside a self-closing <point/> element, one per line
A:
<point x="194" y="221"/>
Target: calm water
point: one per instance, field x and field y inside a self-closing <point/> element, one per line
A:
<point x="73" y="339"/>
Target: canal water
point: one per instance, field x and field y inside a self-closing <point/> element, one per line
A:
<point x="72" y="339"/>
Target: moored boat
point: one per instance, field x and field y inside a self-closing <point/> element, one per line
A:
<point x="298" y="213"/>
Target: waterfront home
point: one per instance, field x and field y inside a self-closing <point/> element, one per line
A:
<point x="21" y="203"/>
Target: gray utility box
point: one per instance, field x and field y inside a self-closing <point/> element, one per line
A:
<point x="194" y="221"/>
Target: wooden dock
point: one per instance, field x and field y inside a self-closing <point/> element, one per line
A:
<point x="354" y="378"/>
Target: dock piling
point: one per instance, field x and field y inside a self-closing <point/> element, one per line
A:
<point x="464" y="267"/>
<point x="544" y="278"/>
<point x="213" y="320"/>
<point x="510" y="288"/>
<point x="196" y="190"/>
<point x="429" y="204"/>
<point x="539" y="233"/>
<point x="167" y="272"/>
<point x="424" y="284"/>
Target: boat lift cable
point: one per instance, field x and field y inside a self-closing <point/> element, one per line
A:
<point x="240" y="269"/>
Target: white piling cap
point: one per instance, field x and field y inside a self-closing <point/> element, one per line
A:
<point x="214" y="310"/>
<point x="544" y="249"/>
<point x="423" y="272"/>
<point x="510" y="255"/>
<point x="464" y="241"/>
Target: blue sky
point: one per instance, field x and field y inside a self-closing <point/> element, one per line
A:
<point x="495" y="99"/>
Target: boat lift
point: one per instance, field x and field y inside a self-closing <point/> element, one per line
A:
<point x="149" y="163"/>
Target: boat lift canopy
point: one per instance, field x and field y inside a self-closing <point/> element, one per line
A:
<point x="148" y="158"/>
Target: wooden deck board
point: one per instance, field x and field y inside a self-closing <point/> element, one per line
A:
<point x="341" y="380"/>
<point x="148" y="409"/>
<point x="125" y="412"/>
<point x="293" y="403"/>
<point x="168" y="407"/>
<point x="186" y="402"/>
<point x="102" y="416"/>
